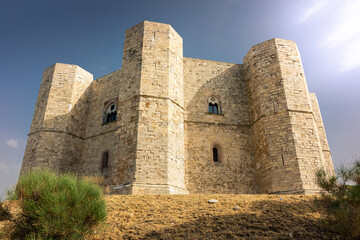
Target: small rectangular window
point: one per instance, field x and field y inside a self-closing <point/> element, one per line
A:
<point x="215" y="155"/>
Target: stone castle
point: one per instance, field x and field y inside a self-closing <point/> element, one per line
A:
<point x="167" y="124"/>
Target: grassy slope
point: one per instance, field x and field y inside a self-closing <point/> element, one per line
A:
<point x="192" y="217"/>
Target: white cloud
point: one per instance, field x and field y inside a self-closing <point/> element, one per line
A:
<point x="312" y="9"/>
<point x="14" y="143"/>
<point x="346" y="26"/>
<point x="351" y="55"/>
<point x="340" y="24"/>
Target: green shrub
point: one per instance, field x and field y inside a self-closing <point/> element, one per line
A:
<point x="11" y="194"/>
<point x="57" y="207"/>
<point x="341" y="200"/>
<point x="4" y="212"/>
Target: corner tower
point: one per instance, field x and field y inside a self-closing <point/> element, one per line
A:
<point x="152" y="132"/>
<point x="56" y="134"/>
<point x="286" y="141"/>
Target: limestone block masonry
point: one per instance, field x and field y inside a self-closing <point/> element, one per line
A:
<point x="166" y="124"/>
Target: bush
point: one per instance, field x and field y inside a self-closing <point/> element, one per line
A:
<point x="11" y="194"/>
<point x="57" y="207"/>
<point x="341" y="200"/>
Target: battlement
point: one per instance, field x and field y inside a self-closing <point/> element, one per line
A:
<point x="165" y="124"/>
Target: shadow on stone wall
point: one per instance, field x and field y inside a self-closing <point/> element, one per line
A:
<point x="230" y="130"/>
<point x="74" y="141"/>
<point x="230" y="88"/>
<point x="58" y="142"/>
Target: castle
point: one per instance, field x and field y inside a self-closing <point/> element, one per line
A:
<point x="167" y="124"/>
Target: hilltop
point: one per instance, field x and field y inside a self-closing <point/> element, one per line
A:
<point x="192" y="217"/>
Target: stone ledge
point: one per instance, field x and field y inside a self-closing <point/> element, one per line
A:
<point x="147" y="189"/>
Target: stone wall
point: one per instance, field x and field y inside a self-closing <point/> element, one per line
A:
<point x="286" y="143"/>
<point x="327" y="160"/>
<point x="100" y="137"/>
<point x="160" y="166"/>
<point x="229" y="130"/>
<point x="56" y="133"/>
<point x="205" y="78"/>
<point x="234" y="171"/>
<point x="31" y="156"/>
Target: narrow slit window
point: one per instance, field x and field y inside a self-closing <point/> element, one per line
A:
<point x="105" y="161"/>
<point x="215" y="155"/>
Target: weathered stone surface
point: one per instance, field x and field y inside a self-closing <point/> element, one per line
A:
<point x="268" y="132"/>
<point x="285" y="137"/>
<point x="58" y="126"/>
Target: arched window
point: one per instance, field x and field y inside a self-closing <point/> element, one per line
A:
<point x="110" y="113"/>
<point x="214" y="105"/>
<point x="104" y="161"/>
<point x="215" y="155"/>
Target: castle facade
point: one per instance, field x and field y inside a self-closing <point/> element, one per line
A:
<point x="167" y="124"/>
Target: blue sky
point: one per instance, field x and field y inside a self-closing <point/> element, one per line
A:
<point x="36" y="34"/>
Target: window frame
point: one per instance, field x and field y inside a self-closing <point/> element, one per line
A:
<point x="214" y="105"/>
<point x="110" y="115"/>
<point x="219" y="151"/>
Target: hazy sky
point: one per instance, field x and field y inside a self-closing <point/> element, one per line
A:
<point x="36" y="34"/>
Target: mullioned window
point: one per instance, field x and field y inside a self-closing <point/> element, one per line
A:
<point x="214" y="105"/>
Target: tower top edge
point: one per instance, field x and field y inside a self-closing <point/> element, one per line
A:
<point x="146" y="22"/>
<point x="55" y="65"/>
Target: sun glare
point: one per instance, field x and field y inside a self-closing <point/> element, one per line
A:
<point x="342" y="32"/>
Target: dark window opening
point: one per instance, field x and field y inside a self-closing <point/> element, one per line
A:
<point x="111" y="117"/>
<point x="110" y="114"/>
<point x="213" y="108"/>
<point x="105" y="161"/>
<point x="215" y="155"/>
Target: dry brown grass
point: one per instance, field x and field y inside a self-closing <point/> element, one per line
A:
<point x="192" y="217"/>
<point x="6" y="225"/>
